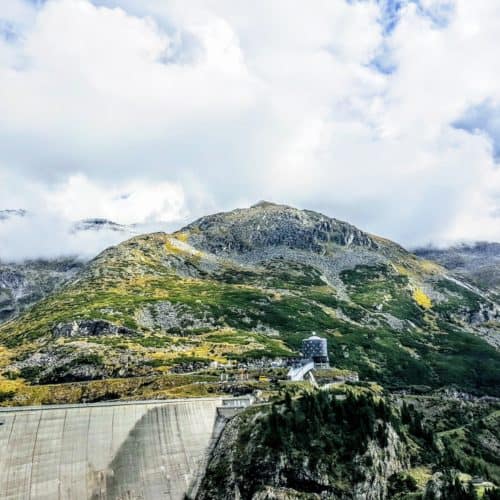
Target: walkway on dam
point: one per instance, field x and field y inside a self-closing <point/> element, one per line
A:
<point x="110" y="450"/>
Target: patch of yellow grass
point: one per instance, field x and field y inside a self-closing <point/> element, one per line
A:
<point x="7" y="386"/>
<point x="420" y="297"/>
<point x="178" y="245"/>
<point x="417" y="268"/>
<point x="182" y="236"/>
<point x="170" y="247"/>
<point x="421" y="475"/>
<point x="328" y="310"/>
<point x="5" y="356"/>
<point x="404" y="271"/>
<point x="428" y="267"/>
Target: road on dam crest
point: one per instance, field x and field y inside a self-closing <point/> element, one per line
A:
<point x="139" y="450"/>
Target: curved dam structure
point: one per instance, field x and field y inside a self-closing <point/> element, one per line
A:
<point x="143" y="450"/>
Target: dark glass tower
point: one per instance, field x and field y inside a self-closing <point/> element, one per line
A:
<point x="316" y="348"/>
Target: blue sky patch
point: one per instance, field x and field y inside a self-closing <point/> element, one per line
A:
<point x="8" y="31"/>
<point x="485" y="119"/>
<point x="440" y="15"/>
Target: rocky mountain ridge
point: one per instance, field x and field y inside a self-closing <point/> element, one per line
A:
<point x="100" y="224"/>
<point x="477" y="262"/>
<point x="251" y="284"/>
<point x="268" y="224"/>
<point x="11" y="213"/>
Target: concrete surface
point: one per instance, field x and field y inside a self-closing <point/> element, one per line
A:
<point x="142" y="450"/>
<point x="299" y="372"/>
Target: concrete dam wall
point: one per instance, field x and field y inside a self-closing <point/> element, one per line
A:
<point x="146" y="450"/>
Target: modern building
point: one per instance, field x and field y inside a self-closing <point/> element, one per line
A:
<point x="316" y="348"/>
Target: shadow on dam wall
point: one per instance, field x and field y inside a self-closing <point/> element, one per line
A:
<point x="145" y="450"/>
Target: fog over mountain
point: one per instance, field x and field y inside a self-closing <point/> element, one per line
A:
<point x="172" y="110"/>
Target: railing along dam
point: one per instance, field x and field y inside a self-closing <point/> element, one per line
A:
<point x="143" y="450"/>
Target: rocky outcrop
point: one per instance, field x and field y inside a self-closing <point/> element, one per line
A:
<point x="270" y="225"/>
<point x="78" y="361"/>
<point x="220" y="478"/>
<point x="285" y="479"/>
<point x="163" y="315"/>
<point x="384" y="462"/>
<point x="91" y="328"/>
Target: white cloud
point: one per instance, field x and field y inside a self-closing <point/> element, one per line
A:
<point x="48" y="229"/>
<point x="203" y="105"/>
<point x="135" y="201"/>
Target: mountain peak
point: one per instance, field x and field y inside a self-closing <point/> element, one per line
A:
<point x="267" y="224"/>
<point x="267" y="204"/>
<point x="100" y="224"/>
<point x="9" y="213"/>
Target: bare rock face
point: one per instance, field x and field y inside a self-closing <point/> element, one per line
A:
<point x="23" y="284"/>
<point x="270" y="225"/>
<point x="79" y="361"/>
<point x="99" y="224"/>
<point x="91" y="328"/>
<point x="384" y="463"/>
<point x="271" y="493"/>
<point x="373" y="470"/>
<point x="165" y="316"/>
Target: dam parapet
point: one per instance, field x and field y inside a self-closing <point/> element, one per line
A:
<point x="232" y="406"/>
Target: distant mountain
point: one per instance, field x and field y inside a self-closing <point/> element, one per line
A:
<point x="23" y="284"/>
<point x="11" y="213"/>
<point x="91" y="224"/>
<point x="98" y="224"/>
<point x="253" y="283"/>
<point x="478" y="262"/>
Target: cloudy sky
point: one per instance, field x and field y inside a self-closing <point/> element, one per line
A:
<point x="382" y="113"/>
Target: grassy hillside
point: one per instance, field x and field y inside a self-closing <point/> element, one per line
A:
<point x="224" y="289"/>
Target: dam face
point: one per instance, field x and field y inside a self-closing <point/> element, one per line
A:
<point x="146" y="450"/>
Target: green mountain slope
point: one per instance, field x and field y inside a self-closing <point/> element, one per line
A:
<point x="357" y="444"/>
<point x="250" y="284"/>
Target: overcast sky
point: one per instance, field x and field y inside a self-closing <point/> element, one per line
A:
<point x="385" y="114"/>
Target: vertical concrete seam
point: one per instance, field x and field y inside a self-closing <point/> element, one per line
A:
<point x="33" y="454"/>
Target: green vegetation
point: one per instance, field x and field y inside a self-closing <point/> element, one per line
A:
<point x="184" y="310"/>
<point x="295" y="442"/>
<point x="317" y="443"/>
<point x="460" y="299"/>
<point x="382" y="288"/>
<point x="138" y="388"/>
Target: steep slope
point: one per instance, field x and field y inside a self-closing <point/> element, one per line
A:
<point x="250" y="284"/>
<point x="23" y="284"/>
<point x="356" y="444"/>
<point x="478" y="262"/>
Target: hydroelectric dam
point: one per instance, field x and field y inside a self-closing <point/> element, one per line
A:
<point x="123" y="450"/>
